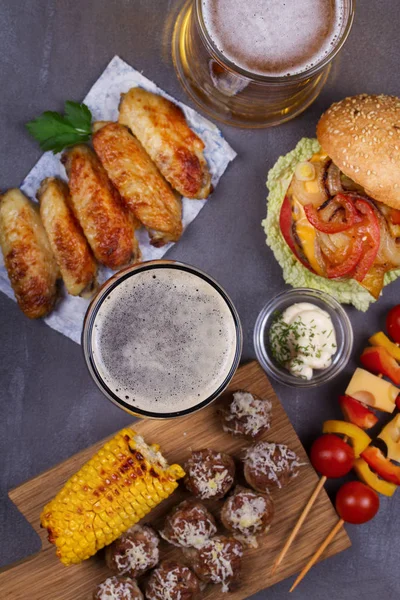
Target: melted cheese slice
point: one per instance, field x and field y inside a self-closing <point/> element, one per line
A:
<point x="373" y="391"/>
<point x="306" y="233"/>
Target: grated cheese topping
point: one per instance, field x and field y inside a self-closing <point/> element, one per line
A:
<point x="191" y="526"/>
<point x="139" y="555"/>
<point x="114" y="588"/>
<point x="168" y="584"/>
<point x="210" y="479"/>
<point x="249" y="515"/>
<point x="218" y="555"/>
<point x="272" y="460"/>
<point x="247" y="415"/>
<point x="150" y="453"/>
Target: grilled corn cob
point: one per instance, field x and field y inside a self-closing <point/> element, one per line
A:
<point x="116" y="488"/>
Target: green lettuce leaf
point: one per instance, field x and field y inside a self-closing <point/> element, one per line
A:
<point x="294" y="273"/>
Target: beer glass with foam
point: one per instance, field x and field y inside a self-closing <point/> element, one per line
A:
<point x="257" y="63"/>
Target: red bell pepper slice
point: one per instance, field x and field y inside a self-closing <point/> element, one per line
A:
<point x="381" y="465"/>
<point x="369" y="229"/>
<point x="286" y="224"/>
<point x="350" y="262"/>
<point x="355" y="412"/>
<point x="351" y="216"/>
<point x="378" y="360"/>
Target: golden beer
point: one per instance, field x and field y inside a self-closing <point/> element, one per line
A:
<point x="260" y="62"/>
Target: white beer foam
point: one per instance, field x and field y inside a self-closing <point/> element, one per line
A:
<point x="274" y="37"/>
<point x="164" y="340"/>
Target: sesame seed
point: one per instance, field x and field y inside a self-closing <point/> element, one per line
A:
<point x="369" y="172"/>
<point x="396" y="185"/>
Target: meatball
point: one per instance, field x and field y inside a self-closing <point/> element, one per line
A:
<point x="217" y="561"/>
<point x="134" y="552"/>
<point x="118" y="588"/>
<point x="172" y="581"/>
<point x="209" y="474"/>
<point x="189" y="525"/>
<point x="247" y="514"/>
<point x="247" y="415"/>
<point x="270" y="465"/>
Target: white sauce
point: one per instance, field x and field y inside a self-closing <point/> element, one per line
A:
<point x="303" y="338"/>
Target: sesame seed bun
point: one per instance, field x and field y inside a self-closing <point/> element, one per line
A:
<point x="361" y="134"/>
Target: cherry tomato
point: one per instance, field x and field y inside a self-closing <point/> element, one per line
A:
<point x="331" y="456"/>
<point x="356" y="503"/>
<point x="393" y="323"/>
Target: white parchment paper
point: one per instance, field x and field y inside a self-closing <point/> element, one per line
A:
<point x="103" y="100"/>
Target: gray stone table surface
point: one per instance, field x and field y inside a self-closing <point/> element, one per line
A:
<point x="53" y="50"/>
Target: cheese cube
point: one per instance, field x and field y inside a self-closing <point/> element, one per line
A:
<point x="373" y="390"/>
<point x="390" y="434"/>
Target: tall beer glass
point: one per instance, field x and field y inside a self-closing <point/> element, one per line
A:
<point x="217" y="71"/>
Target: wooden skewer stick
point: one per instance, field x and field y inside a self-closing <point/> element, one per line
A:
<point x="317" y="554"/>
<point x="301" y="520"/>
<point x="299" y="523"/>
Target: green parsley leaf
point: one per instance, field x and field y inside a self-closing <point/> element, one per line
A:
<point x="56" y="132"/>
<point x="79" y="116"/>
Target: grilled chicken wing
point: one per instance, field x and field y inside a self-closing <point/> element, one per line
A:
<point x="71" y="250"/>
<point x="161" y="128"/>
<point x="141" y="185"/>
<point x="106" y="223"/>
<point x="28" y="258"/>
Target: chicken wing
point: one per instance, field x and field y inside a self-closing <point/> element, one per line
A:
<point x="28" y="258"/>
<point x="106" y="223"/>
<point x="70" y="248"/>
<point x="141" y="185"/>
<point x="161" y="128"/>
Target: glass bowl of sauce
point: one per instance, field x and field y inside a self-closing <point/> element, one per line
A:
<point x="162" y="339"/>
<point x="303" y="338"/>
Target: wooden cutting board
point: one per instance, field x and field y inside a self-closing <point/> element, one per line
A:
<point x="43" y="577"/>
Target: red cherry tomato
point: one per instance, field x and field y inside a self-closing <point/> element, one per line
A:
<point x="356" y="503"/>
<point x="331" y="456"/>
<point x="393" y="323"/>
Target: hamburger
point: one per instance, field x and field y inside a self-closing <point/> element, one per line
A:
<point x="333" y="218"/>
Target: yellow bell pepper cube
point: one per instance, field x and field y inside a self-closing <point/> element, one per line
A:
<point x="359" y="439"/>
<point x="380" y="339"/>
<point x="370" y="478"/>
